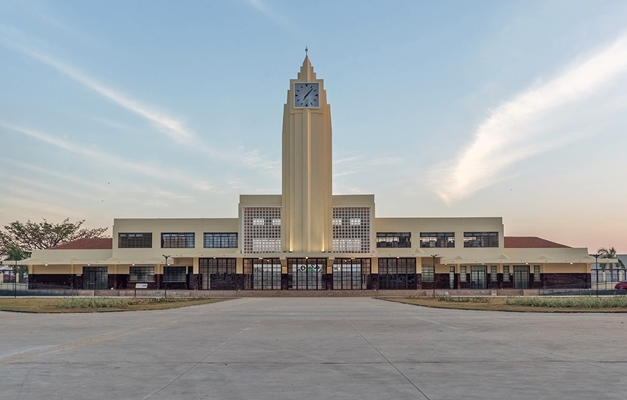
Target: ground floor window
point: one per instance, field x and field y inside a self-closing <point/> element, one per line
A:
<point x="397" y="273"/>
<point x="307" y="273"/>
<point x="142" y="274"/>
<point x="95" y="278"/>
<point x="174" y="274"/>
<point x="351" y="273"/>
<point x="505" y="273"/>
<point x="262" y="273"/>
<point x="462" y="274"/>
<point x="451" y="277"/>
<point x="217" y="273"/>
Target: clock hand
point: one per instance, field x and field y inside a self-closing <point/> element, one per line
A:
<point x="310" y="90"/>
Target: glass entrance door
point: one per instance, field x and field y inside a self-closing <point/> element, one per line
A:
<point x="95" y="278"/>
<point x="521" y="277"/>
<point x="478" y="277"/>
<point x="307" y="273"/>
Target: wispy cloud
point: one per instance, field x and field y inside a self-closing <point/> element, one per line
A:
<point x="276" y="17"/>
<point x="113" y="160"/>
<point x="362" y="162"/>
<point x="527" y="125"/>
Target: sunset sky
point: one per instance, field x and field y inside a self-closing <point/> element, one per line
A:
<point x="517" y="109"/>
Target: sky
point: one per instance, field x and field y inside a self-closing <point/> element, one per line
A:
<point x="165" y="109"/>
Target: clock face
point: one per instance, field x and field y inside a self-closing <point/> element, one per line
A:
<point x="306" y="95"/>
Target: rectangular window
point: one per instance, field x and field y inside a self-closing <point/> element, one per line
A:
<point x="259" y="222"/>
<point x="337" y="221"/>
<point x="217" y="274"/>
<point x="505" y="273"/>
<point x="134" y="240"/>
<point x="462" y="274"/>
<point x="428" y="274"/>
<point x="276" y="221"/>
<point x="220" y="240"/>
<point x="481" y="239"/>
<point x="142" y="274"/>
<point x="493" y="274"/>
<point x="177" y="240"/>
<point x="536" y="273"/>
<point x="397" y="273"/>
<point x="394" y="239"/>
<point x="452" y="277"/>
<point x="437" y="239"/>
<point x="174" y="274"/>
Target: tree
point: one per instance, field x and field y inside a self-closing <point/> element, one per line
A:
<point x="31" y="236"/>
<point x="611" y="253"/>
<point x="14" y="253"/>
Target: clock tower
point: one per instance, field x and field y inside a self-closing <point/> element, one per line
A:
<point x="307" y="188"/>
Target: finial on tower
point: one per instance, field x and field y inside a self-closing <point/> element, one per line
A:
<point x="306" y="50"/>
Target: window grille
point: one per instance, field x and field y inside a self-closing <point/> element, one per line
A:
<point x="536" y="273"/>
<point x="259" y="236"/>
<point x="352" y="232"/>
<point x="142" y="274"/>
<point x="428" y="274"/>
<point x="135" y="240"/>
<point x="452" y="277"/>
<point x="175" y="274"/>
<point x="462" y="274"/>
<point x="220" y="240"/>
<point x="493" y="274"/>
<point x="505" y="273"/>
<point x="177" y="240"/>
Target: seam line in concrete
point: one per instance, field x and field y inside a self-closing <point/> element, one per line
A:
<point x="384" y="357"/>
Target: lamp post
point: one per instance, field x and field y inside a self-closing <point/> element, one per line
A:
<point x="596" y="257"/>
<point x="434" y="280"/>
<point x="165" y="283"/>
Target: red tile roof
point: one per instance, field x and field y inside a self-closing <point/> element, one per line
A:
<point x="530" y="242"/>
<point x="86" y="244"/>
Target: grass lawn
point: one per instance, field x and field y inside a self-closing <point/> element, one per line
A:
<point x="613" y="304"/>
<point x="95" y="304"/>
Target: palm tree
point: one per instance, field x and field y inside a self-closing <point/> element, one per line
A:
<point x="611" y="253"/>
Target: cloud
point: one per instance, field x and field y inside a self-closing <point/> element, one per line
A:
<point x="263" y="7"/>
<point x="113" y="160"/>
<point x="533" y="122"/>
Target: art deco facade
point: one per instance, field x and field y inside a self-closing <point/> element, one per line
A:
<point x="309" y="239"/>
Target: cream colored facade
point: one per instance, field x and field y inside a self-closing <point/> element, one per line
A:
<point x="307" y="222"/>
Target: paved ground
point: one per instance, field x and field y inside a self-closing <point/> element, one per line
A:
<point x="313" y="348"/>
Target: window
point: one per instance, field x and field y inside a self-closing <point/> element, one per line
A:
<point x="505" y="273"/>
<point x="481" y="239"/>
<point x="536" y="273"/>
<point x="259" y="236"/>
<point x="428" y="274"/>
<point x="352" y="234"/>
<point x="493" y="274"/>
<point x="462" y="274"/>
<point x="220" y="240"/>
<point x="95" y="278"/>
<point x="142" y="274"/>
<point x="174" y="274"/>
<point x="217" y="274"/>
<point x="351" y="273"/>
<point x="452" y="277"/>
<point x="307" y="273"/>
<point x="177" y="240"/>
<point x="262" y="274"/>
<point x="437" y="239"/>
<point x="394" y="239"/>
<point x="397" y="273"/>
<point x="134" y="240"/>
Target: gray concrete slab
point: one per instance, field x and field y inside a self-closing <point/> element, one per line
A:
<point x="290" y="348"/>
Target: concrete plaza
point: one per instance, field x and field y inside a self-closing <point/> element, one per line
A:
<point x="312" y="348"/>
